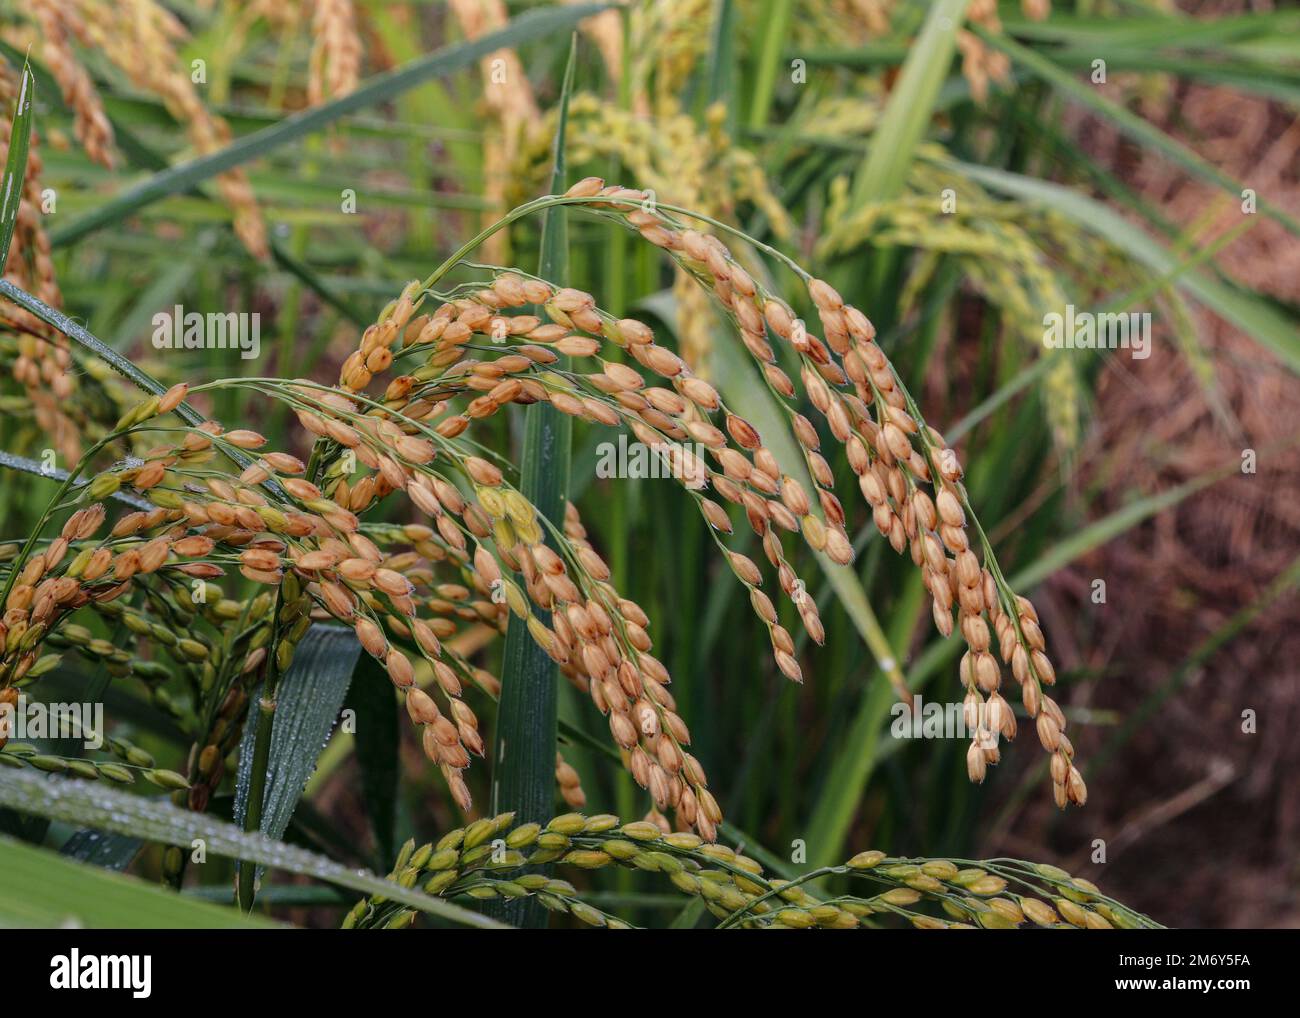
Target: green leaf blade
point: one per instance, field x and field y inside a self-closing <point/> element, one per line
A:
<point x="20" y="134"/>
<point x="308" y="701"/>
<point x="377" y="743"/>
<point x="109" y="809"/>
<point x="43" y="890"/>
<point x="523" y="761"/>
<point x="910" y="106"/>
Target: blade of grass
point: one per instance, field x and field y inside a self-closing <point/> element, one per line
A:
<point x="31" y="466"/>
<point x="907" y="114"/>
<point x="108" y="809"/>
<point x="769" y="60"/>
<point x="906" y="117"/>
<point x="43" y="890"/>
<point x="378" y="742"/>
<point x="846" y="782"/>
<point x="276" y="759"/>
<point x="110" y="851"/>
<point x="142" y="379"/>
<point x="74" y="331"/>
<point x="523" y="755"/>
<point x="1156" y="31"/>
<point x="1070" y="548"/>
<point x="20" y="133"/>
<point x="722" y="63"/>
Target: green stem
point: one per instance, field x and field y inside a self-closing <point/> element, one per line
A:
<point x="769" y="59"/>
<point x="246" y="889"/>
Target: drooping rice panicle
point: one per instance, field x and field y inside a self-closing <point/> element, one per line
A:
<point x="498" y="342"/>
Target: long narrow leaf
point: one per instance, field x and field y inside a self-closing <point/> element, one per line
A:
<point x="1106" y="529"/>
<point x="769" y="59"/>
<point x="911" y="104"/>
<point x="111" y="851"/>
<point x="378" y="740"/>
<point x="524" y="752"/>
<point x="109" y="809"/>
<point x="20" y="133"/>
<point x="31" y="466"/>
<point x="845" y="784"/>
<point x="43" y="890"/>
<point x="308" y="701"/>
<point x="75" y="331"/>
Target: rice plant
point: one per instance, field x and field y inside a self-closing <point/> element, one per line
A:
<point x="554" y="525"/>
